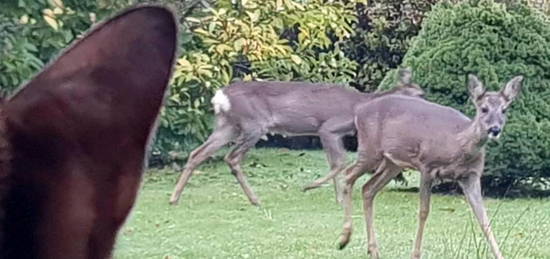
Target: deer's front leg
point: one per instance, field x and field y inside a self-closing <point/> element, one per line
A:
<point x="471" y="187"/>
<point x="424" y="210"/>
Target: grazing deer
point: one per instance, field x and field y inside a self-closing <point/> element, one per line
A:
<point x="246" y="111"/>
<point x="396" y="132"/>
<point x="73" y="140"/>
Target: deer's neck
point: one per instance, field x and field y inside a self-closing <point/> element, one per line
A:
<point x="372" y="95"/>
<point x="473" y="139"/>
<point x="367" y="96"/>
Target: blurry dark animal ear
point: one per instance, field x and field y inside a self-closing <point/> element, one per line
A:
<point x="122" y="65"/>
<point x="3" y="95"/>
<point x="79" y="132"/>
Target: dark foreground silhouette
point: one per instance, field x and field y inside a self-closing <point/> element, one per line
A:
<point x="73" y="140"/>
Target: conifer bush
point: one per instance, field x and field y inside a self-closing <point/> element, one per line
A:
<point x="495" y="42"/>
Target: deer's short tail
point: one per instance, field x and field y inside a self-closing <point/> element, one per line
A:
<point x="221" y="102"/>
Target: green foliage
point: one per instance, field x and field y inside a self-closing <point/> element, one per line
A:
<point x="542" y="5"/>
<point x="17" y="55"/>
<point x="332" y="67"/>
<point x="32" y="33"/>
<point x="383" y="36"/>
<point x="496" y="43"/>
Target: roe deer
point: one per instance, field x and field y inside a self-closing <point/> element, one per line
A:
<point x="397" y="132"/>
<point x="73" y="140"/>
<point x="246" y="111"/>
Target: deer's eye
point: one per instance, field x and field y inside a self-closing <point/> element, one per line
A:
<point x="503" y="111"/>
<point x="484" y="109"/>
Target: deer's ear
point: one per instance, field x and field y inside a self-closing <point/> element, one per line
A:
<point x="404" y="76"/>
<point x="476" y="88"/>
<point x="79" y="132"/>
<point x="117" y="75"/>
<point x="511" y="89"/>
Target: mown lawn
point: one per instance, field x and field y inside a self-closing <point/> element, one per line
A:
<point x="215" y="220"/>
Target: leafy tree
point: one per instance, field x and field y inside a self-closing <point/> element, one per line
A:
<point x="382" y="36"/>
<point x="496" y="43"/>
<point x="32" y="32"/>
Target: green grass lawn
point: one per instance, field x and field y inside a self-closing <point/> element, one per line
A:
<point x="215" y="220"/>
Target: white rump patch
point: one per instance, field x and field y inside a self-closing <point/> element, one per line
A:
<point x="221" y="102"/>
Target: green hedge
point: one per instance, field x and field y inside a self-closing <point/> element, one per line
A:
<point x="382" y="37"/>
<point x="495" y="42"/>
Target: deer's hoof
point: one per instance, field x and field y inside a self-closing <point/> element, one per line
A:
<point x="344" y="240"/>
<point x="374" y="252"/>
<point x="342" y="245"/>
<point x="309" y="187"/>
<point x="173" y="201"/>
<point x="255" y="202"/>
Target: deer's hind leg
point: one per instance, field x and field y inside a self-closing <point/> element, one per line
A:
<point x="336" y="155"/>
<point x="244" y="143"/>
<point x="222" y="135"/>
<point x="331" y="135"/>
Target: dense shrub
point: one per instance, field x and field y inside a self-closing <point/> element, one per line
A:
<point x="33" y="32"/>
<point x="382" y="37"/>
<point x="496" y="43"/>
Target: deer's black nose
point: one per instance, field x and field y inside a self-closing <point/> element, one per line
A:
<point x="495" y="130"/>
